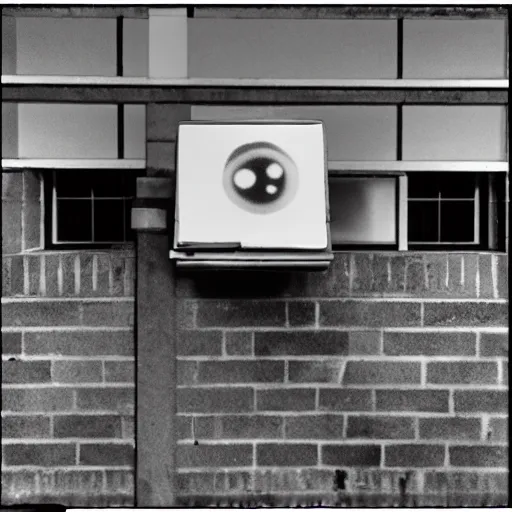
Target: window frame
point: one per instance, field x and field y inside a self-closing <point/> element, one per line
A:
<point x="51" y="212"/>
<point x="486" y="185"/>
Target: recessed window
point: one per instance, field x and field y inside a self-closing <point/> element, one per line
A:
<point x="443" y="209"/>
<point x="363" y="210"/>
<point x="89" y="207"/>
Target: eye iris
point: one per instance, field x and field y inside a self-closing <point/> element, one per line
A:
<point x="261" y="180"/>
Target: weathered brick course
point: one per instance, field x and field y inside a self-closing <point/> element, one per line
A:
<point x="113" y="314"/>
<point x="39" y="454"/>
<point x="466" y="314"/>
<point x="215" y="400"/>
<point x="480" y="401"/>
<point x="351" y="455"/>
<point x="120" y="371"/>
<point x="75" y="425"/>
<point x="247" y="313"/>
<point x="285" y="399"/>
<point x="345" y="400"/>
<point x="205" y="455"/>
<point x="198" y="343"/>
<point x="466" y="372"/>
<point x="80" y="343"/>
<point x="240" y="371"/>
<point x="369" y="314"/>
<point x="25" y="426"/>
<point x="37" y="400"/>
<point x="420" y="400"/>
<point x="494" y="344"/>
<point x="429" y="344"/>
<point x="450" y="428"/>
<point x="77" y="371"/>
<point x="238" y="427"/>
<point x="314" y="371"/>
<point x="498" y="430"/>
<point x="377" y="427"/>
<point x="385" y="372"/>
<point x="51" y="313"/>
<point x="106" y="454"/>
<point x="11" y="343"/>
<point x="239" y="343"/>
<point x="322" y="426"/>
<point x="481" y="456"/>
<point x="413" y="455"/>
<point x="105" y="399"/>
<point x="25" y="372"/>
<point x="301" y="313"/>
<point x="283" y="454"/>
<point x="319" y="342"/>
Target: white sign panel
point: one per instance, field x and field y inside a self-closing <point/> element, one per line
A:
<point x="251" y="185"/>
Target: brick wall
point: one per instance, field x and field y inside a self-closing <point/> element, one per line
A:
<point x="386" y="374"/>
<point x="68" y="378"/>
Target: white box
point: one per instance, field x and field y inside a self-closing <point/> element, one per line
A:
<point x="251" y="185"/>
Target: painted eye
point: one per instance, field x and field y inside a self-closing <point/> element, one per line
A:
<point x="260" y="177"/>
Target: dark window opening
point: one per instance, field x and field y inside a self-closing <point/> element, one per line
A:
<point x="89" y="207"/>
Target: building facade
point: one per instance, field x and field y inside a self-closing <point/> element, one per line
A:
<point x="130" y="380"/>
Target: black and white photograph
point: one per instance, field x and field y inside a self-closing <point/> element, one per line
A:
<point x="255" y="255"/>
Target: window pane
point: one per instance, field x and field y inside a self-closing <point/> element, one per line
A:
<point x="67" y="131"/>
<point x="454" y="49"/>
<point x="8" y="45"/>
<point x="108" y="220"/>
<point x="9" y="130"/>
<point x="135" y="47"/>
<point x="107" y="183"/>
<point x="423" y="221"/>
<point x="363" y="210"/>
<point x="74" y="223"/>
<point x="74" y="184"/>
<point x="423" y="185"/>
<point x="458" y="185"/>
<point x="129" y="232"/>
<point x="454" y="133"/>
<point x="66" y="46"/>
<point x="457" y="221"/>
<point x="135" y="131"/>
<point x="352" y="132"/>
<point x="265" y="48"/>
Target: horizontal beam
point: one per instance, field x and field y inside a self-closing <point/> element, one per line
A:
<point x="343" y="167"/>
<point x="261" y="95"/>
<point x="253" y="265"/>
<point x="313" y="83"/>
<point x="335" y="167"/>
<point x="76" y="12"/>
<point x="16" y="164"/>
<point x="353" y="11"/>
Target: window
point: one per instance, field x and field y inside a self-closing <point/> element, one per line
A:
<point x="363" y="211"/>
<point x="443" y="209"/>
<point x="89" y="207"/>
<point x="460" y="210"/>
<point x="75" y="46"/>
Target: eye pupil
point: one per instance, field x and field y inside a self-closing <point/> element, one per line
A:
<point x="244" y="178"/>
<point x="274" y="171"/>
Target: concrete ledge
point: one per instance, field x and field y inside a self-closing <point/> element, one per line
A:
<point x="149" y="219"/>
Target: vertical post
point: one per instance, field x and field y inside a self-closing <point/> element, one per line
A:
<point x="152" y="217"/>
<point x="402" y="213"/>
